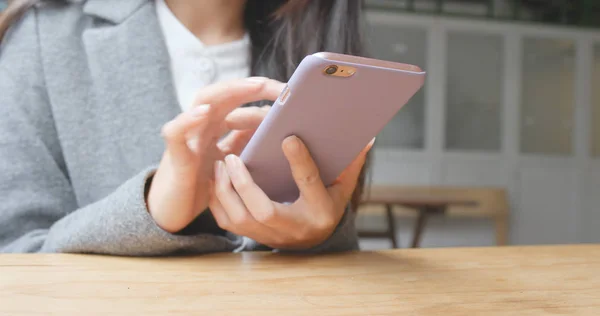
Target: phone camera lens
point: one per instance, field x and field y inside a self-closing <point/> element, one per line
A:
<point x="331" y="70"/>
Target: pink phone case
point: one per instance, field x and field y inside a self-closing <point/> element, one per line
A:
<point x="336" y="117"/>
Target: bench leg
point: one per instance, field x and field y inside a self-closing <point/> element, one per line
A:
<point x="501" y="230"/>
<point x="391" y="225"/>
<point x="419" y="227"/>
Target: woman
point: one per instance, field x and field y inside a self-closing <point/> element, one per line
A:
<point x="89" y="87"/>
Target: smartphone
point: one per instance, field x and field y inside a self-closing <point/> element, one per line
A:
<point x="336" y="104"/>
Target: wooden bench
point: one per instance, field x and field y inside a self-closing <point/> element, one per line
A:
<point x="428" y="201"/>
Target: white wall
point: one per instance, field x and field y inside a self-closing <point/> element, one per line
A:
<point x="596" y="103"/>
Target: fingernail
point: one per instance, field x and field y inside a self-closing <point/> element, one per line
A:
<point x="292" y="144"/>
<point x="218" y="168"/>
<point x="193" y="143"/>
<point x="371" y="143"/>
<point x="232" y="161"/>
<point x="199" y="110"/>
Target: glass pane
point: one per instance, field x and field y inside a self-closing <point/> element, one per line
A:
<point x="406" y="45"/>
<point x="425" y="5"/>
<point x="566" y="12"/>
<point x="387" y="4"/>
<point x="596" y="104"/>
<point x="548" y="96"/>
<point x="473" y="7"/>
<point x="474" y="92"/>
<point x="504" y="9"/>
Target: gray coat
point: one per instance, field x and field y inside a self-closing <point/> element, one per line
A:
<point x="84" y="91"/>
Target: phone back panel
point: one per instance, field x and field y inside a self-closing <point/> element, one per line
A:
<point x="335" y="117"/>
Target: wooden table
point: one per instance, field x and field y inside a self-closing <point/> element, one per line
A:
<point x="476" y="281"/>
<point x="426" y="201"/>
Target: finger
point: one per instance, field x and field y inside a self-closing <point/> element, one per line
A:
<point x="276" y="221"/>
<point x="243" y="118"/>
<point x="176" y="132"/>
<point x="304" y="170"/>
<point x="226" y="96"/>
<point x="246" y="118"/>
<point x="263" y="235"/>
<point x="344" y="186"/>
<point x="235" y="142"/>
<point x="241" y="221"/>
<point x="218" y="211"/>
<point x="258" y="203"/>
<point x="243" y="122"/>
<point x="295" y="225"/>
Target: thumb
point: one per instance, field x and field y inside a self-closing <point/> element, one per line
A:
<point x="342" y="189"/>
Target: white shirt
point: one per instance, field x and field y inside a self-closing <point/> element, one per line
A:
<point x="195" y="65"/>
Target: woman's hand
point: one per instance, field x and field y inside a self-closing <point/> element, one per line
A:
<point x="179" y="190"/>
<point x="241" y="207"/>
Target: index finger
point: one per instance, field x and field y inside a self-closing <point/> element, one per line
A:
<point x="246" y="118"/>
<point x="226" y="96"/>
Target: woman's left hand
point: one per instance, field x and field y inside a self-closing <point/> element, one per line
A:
<point x="241" y="207"/>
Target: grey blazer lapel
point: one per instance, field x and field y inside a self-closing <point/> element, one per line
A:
<point x="130" y="74"/>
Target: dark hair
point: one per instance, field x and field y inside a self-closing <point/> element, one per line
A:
<point x="282" y="32"/>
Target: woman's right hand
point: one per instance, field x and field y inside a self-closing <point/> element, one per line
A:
<point x="179" y="190"/>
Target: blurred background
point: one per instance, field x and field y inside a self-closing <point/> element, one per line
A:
<point x="502" y="145"/>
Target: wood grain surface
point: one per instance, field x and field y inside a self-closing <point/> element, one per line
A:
<point x="563" y="280"/>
